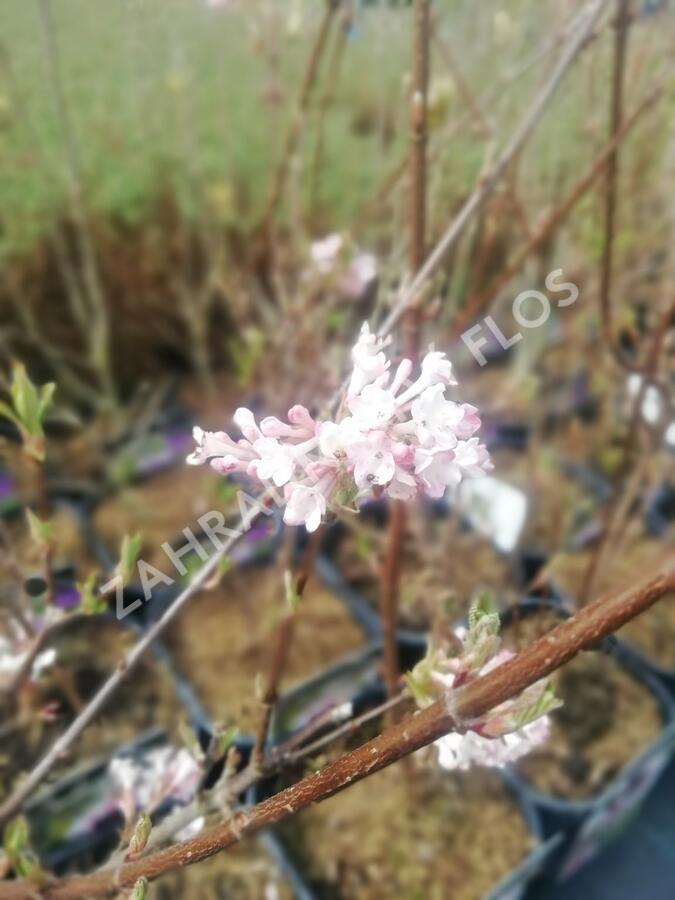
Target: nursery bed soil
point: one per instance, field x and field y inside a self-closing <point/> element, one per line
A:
<point x="653" y="631"/>
<point x="88" y="649"/>
<point x="434" y="835"/>
<point x="607" y="718"/>
<point x="443" y="565"/>
<point x="242" y="872"/>
<point x="159" y="508"/>
<point x="225" y="640"/>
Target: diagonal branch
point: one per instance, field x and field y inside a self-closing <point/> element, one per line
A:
<point x="582" y="631"/>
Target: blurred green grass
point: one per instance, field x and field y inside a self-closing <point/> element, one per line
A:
<point x="170" y="95"/>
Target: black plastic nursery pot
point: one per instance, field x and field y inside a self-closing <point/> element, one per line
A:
<point x="350" y="688"/>
<point x="75" y="822"/>
<point x="587" y="825"/>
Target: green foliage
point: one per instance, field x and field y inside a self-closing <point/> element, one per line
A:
<point x="482" y="639"/>
<point x="292" y="596"/>
<point x="21" y="858"/>
<point x="41" y="531"/>
<point x="418" y="683"/>
<point x="223" y="739"/>
<point x="16" y="836"/>
<point x="29" y="405"/>
<point x="140" y="836"/>
<point x="542" y="704"/>
<point x="140" y="891"/>
<point x="91" y="602"/>
<point x="129" y="552"/>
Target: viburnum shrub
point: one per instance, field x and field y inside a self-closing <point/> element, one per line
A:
<point x="396" y="437"/>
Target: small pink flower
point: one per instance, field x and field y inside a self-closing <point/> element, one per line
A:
<point x="402" y="486"/>
<point x="276" y="461"/>
<point x="437" y="419"/>
<point x="300" y="416"/>
<point x="245" y="421"/>
<point x="369" y="361"/>
<point x="473" y="458"/>
<point x="437" y="369"/>
<point x="373" y="407"/>
<point x="436" y="470"/>
<point x="324" y="252"/>
<point x="373" y="460"/>
<point x="305" y="505"/>
<point x="211" y="444"/>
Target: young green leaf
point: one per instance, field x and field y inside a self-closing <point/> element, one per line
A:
<point x="91" y="602"/>
<point x="28" y="409"/>
<point x="16" y="837"/>
<point x="129" y="552"/>
<point x="40" y="530"/>
<point x="222" y="741"/>
<point x="140" y="891"/>
<point x="140" y="836"/>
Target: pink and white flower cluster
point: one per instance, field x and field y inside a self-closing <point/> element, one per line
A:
<point x="463" y="751"/>
<point x="396" y="437"/>
<point x="502" y="737"/>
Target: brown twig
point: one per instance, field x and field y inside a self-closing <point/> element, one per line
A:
<point x="391" y="570"/>
<point x="474" y="106"/>
<point x="484" y="190"/>
<point x="348" y="728"/>
<point x="482" y="301"/>
<point x="295" y="127"/>
<point x="325" y="98"/>
<point x="389" y="590"/>
<point x="282" y="644"/>
<point x="619" y="506"/>
<point x="582" y="631"/>
<point x="616" y="118"/>
<point x="486" y="99"/>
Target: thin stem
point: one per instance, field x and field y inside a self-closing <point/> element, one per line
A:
<point x="484" y="190"/>
<point x="620" y="503"/>
<point x="582" y="631"/>
<point x="616" y="119"/>
<point x="553" y="221"/>
<point x="344" y="730"/>
<point x="282" y="644"/>
<point x="99" y="348"/>
<point x="389" y="591"/>
<point x="37" y="775"/>
<point x="391" y="571"/>
<point x="295" y="128"/>
<point x="325" y="99"/>
<point x="485" y="100"/>
<point x="473" y="105"/>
